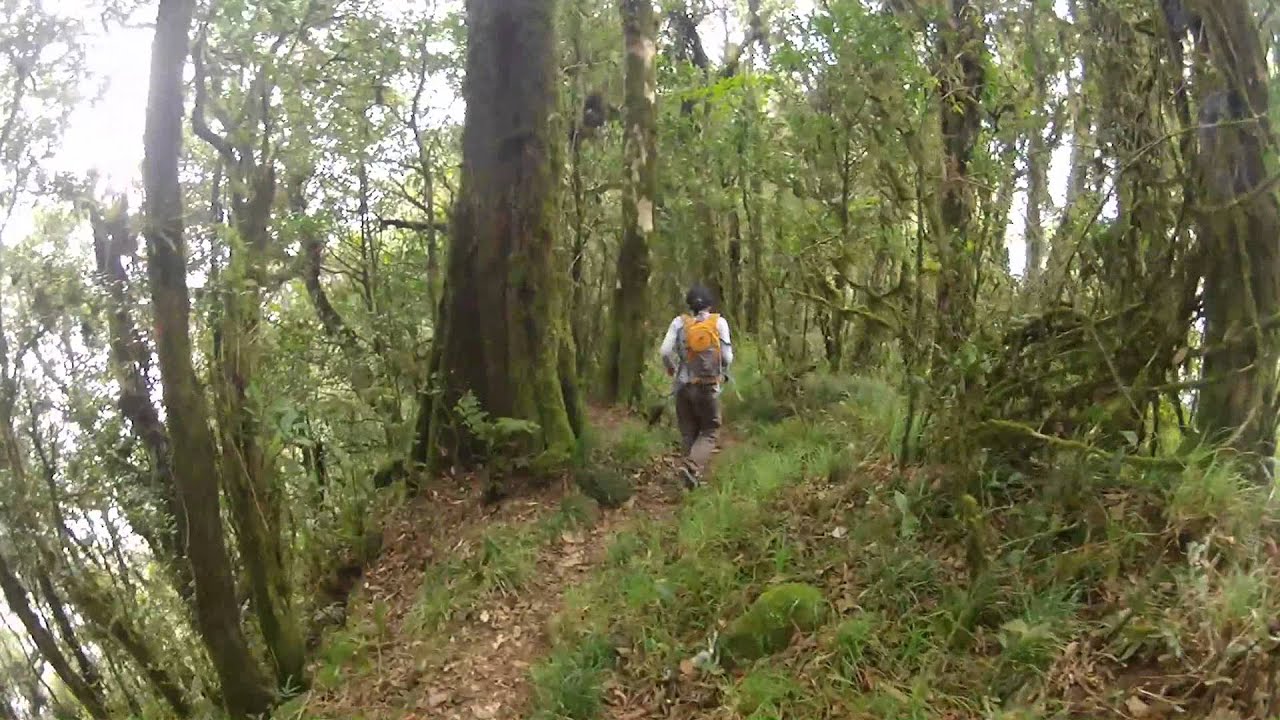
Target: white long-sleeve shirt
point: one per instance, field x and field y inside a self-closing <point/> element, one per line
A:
<point x="672" y="344"/>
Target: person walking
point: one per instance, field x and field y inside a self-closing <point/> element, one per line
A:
<point x="697" y="353"/>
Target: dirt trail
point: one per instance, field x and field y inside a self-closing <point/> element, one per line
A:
<point x="478" y="665"/>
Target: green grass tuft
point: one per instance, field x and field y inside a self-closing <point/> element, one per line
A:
<point x="568" y="685"/>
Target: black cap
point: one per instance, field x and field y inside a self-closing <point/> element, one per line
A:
<point x="698" y="298"/>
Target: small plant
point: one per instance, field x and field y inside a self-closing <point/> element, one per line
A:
<point x="607" y="485"/>
<point x="569" y="684"/>
<point x="505" y="561"/>
<point x="765" y="693"/>
<point x="506" y="440"/>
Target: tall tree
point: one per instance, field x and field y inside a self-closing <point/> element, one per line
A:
<point x="503" y="332"/>
<point x="244" y="685"/>
<point x="1238" y="231"/>
<point x="960" y="58"/>
<point x="629" y="332"/>
<point x="248" y="152"/>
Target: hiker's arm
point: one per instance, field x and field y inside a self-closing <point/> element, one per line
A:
<point x="726" y="344"/>
<point x="668" y="351"/>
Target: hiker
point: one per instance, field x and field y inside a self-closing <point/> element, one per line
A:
<point x="697" y="353"/>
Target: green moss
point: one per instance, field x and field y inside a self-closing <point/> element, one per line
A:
<point x="771" y="622"/>
<point x="606" y="485"/>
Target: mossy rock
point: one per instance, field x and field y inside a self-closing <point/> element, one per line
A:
<point x="772" y="620"/>
<point x="606" y="485"/>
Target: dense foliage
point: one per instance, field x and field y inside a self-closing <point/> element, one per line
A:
<point x="1049" y="227"/>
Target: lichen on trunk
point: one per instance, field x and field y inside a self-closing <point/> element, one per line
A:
<point x="502" y="330"/>
<point x="629" y="329"/>
<point x="243" y="683"/>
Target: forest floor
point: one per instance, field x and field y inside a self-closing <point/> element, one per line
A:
<point x="474" y="660"/>
<point x="1067" y="587"/>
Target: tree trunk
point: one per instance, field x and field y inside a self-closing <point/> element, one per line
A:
<point x="1239" y="230"/>
<point x="502" y="319"/>
<point x="249" y="476"/>
<point x="1038" y="156"/>
<point x="15" y="596"/>
<point x="62" y="620"/>
<point x="1062" y="246"/>
<point x="712" y="258"/>
<point x="628" y="338"/>
<point x="244" y="685"/>
<point x="99" y="610"/>
<point x="131" y="362"/>
<point x="961" y="79"/>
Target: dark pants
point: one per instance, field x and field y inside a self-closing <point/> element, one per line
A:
<point x="698" y="414"/>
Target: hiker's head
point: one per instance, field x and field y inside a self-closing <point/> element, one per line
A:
<point x="698" y="298"/>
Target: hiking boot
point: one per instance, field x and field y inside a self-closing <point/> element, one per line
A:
<point x="688" y="479"/>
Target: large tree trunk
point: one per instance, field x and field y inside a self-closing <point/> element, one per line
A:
<point x="244" y="685"/>
<point x="502" y="319"/>
<point x="629" y="333"/>
<point x="1239" y="230"/>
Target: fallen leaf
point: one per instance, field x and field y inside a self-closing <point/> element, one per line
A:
<point x="1136" y="707"/>
<point x="484" y="616"/>
<point x="435" y="700"/>
<point x="839" y="532"/>
<point x="687" y="668"/>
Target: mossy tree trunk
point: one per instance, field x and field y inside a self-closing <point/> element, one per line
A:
<point x="1062" y="245"/>
<point x="85" y="690"/>
<point x="249" y="475"/>
<point x="503" y="329"/>
<point x="131" y="361"/>
<point x="961" y="79"/>
<point x="1038" y="155"/>
<point x="629" y="333"/>
<point x="1239" y="229"/>
<point x="244" y="685"/>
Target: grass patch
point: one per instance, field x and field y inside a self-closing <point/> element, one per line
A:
<point x="501" y="561"/>
<point x="568" y="685"/>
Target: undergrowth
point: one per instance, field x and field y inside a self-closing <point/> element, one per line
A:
<point x="1094" y="590"/>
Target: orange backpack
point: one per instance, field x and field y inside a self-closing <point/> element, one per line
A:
<point x="702" y="349"/>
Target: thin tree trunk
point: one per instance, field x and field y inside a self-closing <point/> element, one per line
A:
<point x="62" y="620"/>
<point x="1062" y="245"/>
<point x="629" y="333"/>
<point x="244" y="685"/>
<point x="1038" y="157"/>
<point x="15" y="596"/>
<point x="131" y="361"/>
<point x="113" y="622"/>
<point x="249" y="476"/>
